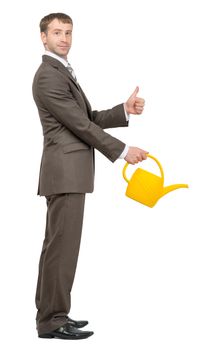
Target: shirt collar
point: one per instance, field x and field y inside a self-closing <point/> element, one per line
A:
<point x="60" y="59"/>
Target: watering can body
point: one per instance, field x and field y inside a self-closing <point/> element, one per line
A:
<point x="146" y="187"/>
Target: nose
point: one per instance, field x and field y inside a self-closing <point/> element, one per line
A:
<point x="64" y="38"/>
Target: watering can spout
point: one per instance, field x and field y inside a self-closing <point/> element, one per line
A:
<point x="170" y="188"/>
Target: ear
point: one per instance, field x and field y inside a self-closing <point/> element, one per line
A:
<point x="44" y="38"/>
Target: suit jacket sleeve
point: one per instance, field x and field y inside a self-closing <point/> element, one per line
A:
<point x="57" y="98"/>
<point x="111" y="118"/>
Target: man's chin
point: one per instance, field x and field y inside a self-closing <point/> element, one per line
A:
<point x="61" y="54"/>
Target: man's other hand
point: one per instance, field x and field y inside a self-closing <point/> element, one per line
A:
<point x="135" y="155"/>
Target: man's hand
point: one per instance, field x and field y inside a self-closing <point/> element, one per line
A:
<point x="135" y="155"/>
<point x="134" y="105"/>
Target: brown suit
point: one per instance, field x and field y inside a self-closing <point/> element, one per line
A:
<point x="71" y="132"/>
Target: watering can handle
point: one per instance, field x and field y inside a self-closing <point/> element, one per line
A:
<point x="150" y="156"/>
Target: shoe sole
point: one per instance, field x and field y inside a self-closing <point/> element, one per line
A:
<point x="50" y="336"/>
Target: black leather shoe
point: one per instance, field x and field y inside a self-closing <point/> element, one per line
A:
<point x="76" y="324"/>
<point x="67" y="332"/>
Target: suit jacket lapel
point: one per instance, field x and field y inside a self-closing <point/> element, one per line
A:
<point x="55" y="63"/>
<point x="89" y="109"/>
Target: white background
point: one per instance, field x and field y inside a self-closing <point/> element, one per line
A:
<point x="137" y="276"/>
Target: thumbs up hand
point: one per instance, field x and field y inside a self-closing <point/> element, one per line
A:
<point x="134" y="105"/>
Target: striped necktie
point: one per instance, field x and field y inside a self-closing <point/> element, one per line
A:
<point x="70" y="69"/>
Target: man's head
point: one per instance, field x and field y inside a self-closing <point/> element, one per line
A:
<point x="56" y="33"/>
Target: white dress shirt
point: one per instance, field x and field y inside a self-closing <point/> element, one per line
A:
<point x="65" y="63"/>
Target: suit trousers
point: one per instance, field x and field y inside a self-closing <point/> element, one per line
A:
<point x="58" y="259"/>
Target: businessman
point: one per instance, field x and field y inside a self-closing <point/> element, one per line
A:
<point x="71" y="132"/>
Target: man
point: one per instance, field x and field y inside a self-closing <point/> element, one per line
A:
<point x="71" y="132"/>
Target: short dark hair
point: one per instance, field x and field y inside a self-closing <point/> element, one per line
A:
<point x="45" y="21"/>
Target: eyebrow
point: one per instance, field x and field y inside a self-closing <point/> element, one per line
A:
<point x="60" y="30"/>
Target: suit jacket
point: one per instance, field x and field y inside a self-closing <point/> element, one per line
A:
<point x="71" y="131"/>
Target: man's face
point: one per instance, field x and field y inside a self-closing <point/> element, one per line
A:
<point x="58" y="38"/>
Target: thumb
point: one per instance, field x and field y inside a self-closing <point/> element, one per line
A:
<point x="134" y="94"/>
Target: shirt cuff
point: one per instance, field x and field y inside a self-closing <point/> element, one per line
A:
<point x="126" y="114"/>
<point x="124" y="153"/>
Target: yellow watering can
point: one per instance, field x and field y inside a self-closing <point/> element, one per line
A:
<point x="146" y="187"/>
